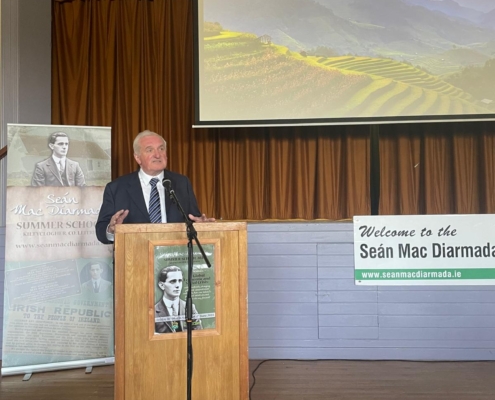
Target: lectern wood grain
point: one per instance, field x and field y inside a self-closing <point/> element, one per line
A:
<point x="150" y="369"/>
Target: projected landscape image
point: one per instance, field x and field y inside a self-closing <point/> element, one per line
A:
<point x="345" y="59"/>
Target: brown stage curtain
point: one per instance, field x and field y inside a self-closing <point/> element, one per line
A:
<point x="128" y="64"/>
<point x="443" y="168"/>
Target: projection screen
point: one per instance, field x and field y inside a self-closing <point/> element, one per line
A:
<point x="289" y="62"/>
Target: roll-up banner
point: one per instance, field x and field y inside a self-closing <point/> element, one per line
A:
<point x="58" y="305"/>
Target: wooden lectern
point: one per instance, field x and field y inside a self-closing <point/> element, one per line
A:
<point x="152" y="366"/>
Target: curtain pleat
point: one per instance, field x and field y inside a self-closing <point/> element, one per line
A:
<point x="487" y="159"/>
<point x="331" y="199"/>
<point x="357" y="153"/>
<point x="401" y="169"/>
<point x="466" y="173"/>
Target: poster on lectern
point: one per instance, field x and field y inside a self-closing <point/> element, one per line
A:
<point x="169" y="277"/>
<point x="58" y="304"/>
<point x="424" y="250"/>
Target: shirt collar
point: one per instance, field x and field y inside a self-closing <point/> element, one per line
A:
<point x="168" y="303"/>
<point x="145" y="178"/>
<point x="57" y="160"/>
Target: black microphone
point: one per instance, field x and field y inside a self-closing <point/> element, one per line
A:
<point x="167" y="184"/>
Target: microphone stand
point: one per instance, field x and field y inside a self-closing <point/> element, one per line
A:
<point x="191" y="235"/>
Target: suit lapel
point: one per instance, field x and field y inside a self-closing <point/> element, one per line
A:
<point x="182" y="311"/>
<point x="168" y="206"/>
<point x="69" y="172"/>
<point x="171" y="209"/>
<point x="54" y="170"/>
<point x="136" y="195"/>
<point x="163" y="312"/>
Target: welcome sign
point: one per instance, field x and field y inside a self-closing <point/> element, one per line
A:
<point x="424" y="250"/>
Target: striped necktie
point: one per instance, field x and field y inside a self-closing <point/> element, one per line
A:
<point x="154" y="208"/>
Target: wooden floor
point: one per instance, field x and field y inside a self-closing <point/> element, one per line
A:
<point x="291" y="380"/>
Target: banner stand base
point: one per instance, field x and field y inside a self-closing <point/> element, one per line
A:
<point x="31" y="369"/>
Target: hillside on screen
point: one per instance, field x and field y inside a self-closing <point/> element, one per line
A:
<point x="265" y="60"/>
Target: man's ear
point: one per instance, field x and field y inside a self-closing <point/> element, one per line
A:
<point x="51" y="146"/>
<point x="160" y="285"/>
<point x="137" y="158"/>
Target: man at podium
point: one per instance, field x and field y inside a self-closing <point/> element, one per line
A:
<point x="140" y="197"/>
<point x="170" y="311"/>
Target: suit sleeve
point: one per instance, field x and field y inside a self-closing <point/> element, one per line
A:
<point x="38" y="178"/>
<point x="107" y="210"/>
<point x="192" y="202"/>
<point x="79" y="180"/>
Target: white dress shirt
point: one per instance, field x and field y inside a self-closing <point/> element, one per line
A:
<point x="60" y="162"/>
<point x="168" y="303"/>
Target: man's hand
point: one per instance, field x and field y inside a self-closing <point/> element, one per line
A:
<point x="203" y="218"/>
<point x="117" y="218"/>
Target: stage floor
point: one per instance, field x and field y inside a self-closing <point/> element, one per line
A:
<point x="295" y="380"/>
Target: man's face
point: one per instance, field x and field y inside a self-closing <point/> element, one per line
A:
<point x="152" y="155"/>
<point x="172" y="285"/>
<point x="60" y="147"/>
<point x="95" y="271"/>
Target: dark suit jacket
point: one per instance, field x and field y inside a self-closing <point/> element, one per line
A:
<point x="46" y="174"/>
<point x="125" y="193"/>
<point x="88" y="286"/>
<point x="166" y="327"/>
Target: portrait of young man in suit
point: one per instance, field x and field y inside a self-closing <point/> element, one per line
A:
<point x="171" y="309"/>
<point x="58" y="170"/>
<point x="96" y="284"/>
